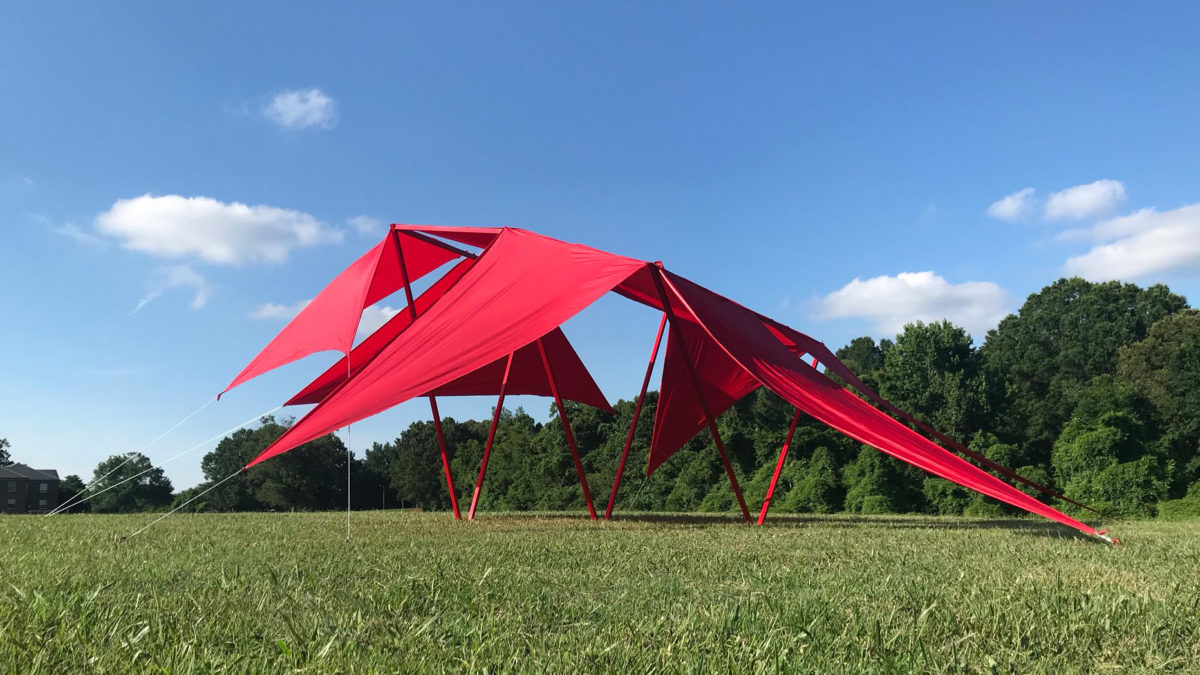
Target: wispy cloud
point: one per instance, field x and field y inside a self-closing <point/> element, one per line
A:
<point x="272" y="311"/>
<point x="173" y="226"/>
<point x="889" y="302"/>
<point x="1085" y="201"/>
<point x="302" y="109"/>
<point x="373" y="317"/>
<point x="112" y="372"/>
<point x="171" y="277"/>
<point x="1078" y="202"/>
<point x="72" y="231"/>
<point x="1016" y="206"/>
<point x="365" y="224"/>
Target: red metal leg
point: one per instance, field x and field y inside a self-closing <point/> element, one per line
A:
<point x="437" y="425"/>
<point x="437" y="419"/>
<point x="762" y="515"/>
<point x="657" y="275"/>
<point x="637" y="411"/>
<point x="487" y="449"/>
<point x="566" y="425"/>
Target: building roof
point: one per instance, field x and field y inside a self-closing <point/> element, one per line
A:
<point x="26" y="472"/>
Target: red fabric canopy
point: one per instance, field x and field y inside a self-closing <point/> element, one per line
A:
<point x="330" y="321"/>
<point x="521" y="288"/>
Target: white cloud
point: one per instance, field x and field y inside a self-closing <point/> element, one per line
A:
<point x="372" y="317"/>
<point x="175" y="276"/>
<point x="73" y="231"/>
<point x="1017" y="206"/>
<point x="1085" y="201"/>
<point x="365" y="224"/>
<point x="1143" y="243"/>
<point x="271" y="310"/>
<point x="173" y="226"/>
<point x="889" y="302"/>
<point x="302" y="110"/>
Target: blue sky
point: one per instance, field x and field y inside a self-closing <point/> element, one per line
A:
<point x="174" y="178"/>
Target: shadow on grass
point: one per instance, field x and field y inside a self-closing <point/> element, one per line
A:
<point x="1022" y="526"/>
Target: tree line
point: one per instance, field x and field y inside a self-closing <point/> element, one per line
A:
<point x="1092" y="389"/>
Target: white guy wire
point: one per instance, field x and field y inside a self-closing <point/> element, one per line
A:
<point x="75" y="498"/>
<point x="210" y="489"/>
<point x="349" y="458"/>
<point x="171" y="459"/>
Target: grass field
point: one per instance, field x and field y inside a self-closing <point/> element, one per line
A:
<point x="285" y="592"/>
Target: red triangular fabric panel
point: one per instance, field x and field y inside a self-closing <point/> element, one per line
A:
<point x="370" y="347"/>
<point x="521" y="288"/>
<point x="800" y="343"/>
<point x="330" y="321"/>
<point x="679" y="414"/>
<point x="481" y="237"/>
<point x="528" y="375"/>
<point x="743" y="335"/>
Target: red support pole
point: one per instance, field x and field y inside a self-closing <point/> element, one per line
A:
<point x="437" y="418"/>
<point x="437" y="425"/>
<point x="566" y="425"/>
<point x="637" y="411"/>
<point x="762" y="515"/>
<point x="487" y="449"/>
<point x="708" y="417"/>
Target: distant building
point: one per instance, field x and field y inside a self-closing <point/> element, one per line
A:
<point x="27" y="490"/>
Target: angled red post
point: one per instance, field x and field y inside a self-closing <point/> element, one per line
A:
<point x="762" y="515"/>
<point x="656" y="273"/>
<point x="437" y="418"/>
<point x="487" y="449"/>
<point x="437" y="426"/>
<point x="566" y="425"/>
<point x="637" y="411"/>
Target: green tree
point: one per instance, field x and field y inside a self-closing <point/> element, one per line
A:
<point x="69" y="489"/>
<point x="933" y="373"/>
<point x="1164" y="368"/>
<point x="309" y="477"/>
<point x="1039" y="359"/>
<point x="864" y="358"/>
<point x="5" y="457"/>
<point x="1101" y="457"/>
<point x="149" y="490"/>
<point x="878" y="483"/>
<point x="816" y="487"/>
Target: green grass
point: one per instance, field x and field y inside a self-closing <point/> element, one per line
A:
<point x="285" y="592"/>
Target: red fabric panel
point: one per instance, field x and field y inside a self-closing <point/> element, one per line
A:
<point x="481" y="237"/>
<point x="800" y="343"/>
<point x="528" y="375"/>
<point x="521" y="288"/>
<point x="679" y="415"/>
<point x="370" y="347"/>
<point x="420" y="257"/>
<point x="330" y="321"/>
<point x="752" y="344"/>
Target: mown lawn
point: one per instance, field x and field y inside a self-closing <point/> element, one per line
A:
<point x="556" y="593"/>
